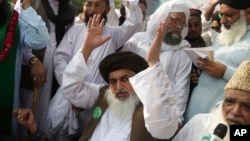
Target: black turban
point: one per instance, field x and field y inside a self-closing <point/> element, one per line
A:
<point x="236" y="4"/>
<point x="121" y="60"/>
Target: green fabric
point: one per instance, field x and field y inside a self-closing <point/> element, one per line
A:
<point x="7" y="77"/>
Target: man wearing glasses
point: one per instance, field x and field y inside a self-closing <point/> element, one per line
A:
<point x="62" y="119"/>
<point x="176" y="63"/>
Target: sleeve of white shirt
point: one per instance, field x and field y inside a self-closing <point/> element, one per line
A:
<point x="131" y="24"/>
<point x="79" y="93"/>
<point x="160" y="111"/>
<point x="193" y="129"/>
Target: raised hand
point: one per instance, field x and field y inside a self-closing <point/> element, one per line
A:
<point x="154" y="51"/>
<point x="93" y="38"/>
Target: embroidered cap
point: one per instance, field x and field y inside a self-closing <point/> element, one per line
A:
<point x="241" y="78"/>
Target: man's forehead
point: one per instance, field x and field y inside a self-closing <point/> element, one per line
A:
<point x="238" y="94"/>
<point x="177" y="13"/>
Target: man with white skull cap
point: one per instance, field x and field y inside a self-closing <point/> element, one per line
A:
<point x="176" y="63"/>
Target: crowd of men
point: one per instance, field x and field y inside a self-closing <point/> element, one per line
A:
<point x="102" y="77"/>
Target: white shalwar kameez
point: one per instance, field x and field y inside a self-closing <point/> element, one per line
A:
<point x="176" y="64"/>
<point x="61" y="117"/>
<point x="201" y="126"/>
<point x="160" y="110"/>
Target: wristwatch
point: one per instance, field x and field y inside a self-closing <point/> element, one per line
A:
<point x="33" y="60"/>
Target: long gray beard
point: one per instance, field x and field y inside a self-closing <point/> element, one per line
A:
<point x="122" y="109"/>
<point x="234" y="34"/>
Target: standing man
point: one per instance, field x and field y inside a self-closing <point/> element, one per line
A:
<point x="60" y="119"/>
<point x="196" y="40"/>
<point x="230" y="49"/>
<point x="17" y="31"/>
<point x="59" y="16"/>
<point x="177" y="65"/>
<point x="125" y="109"/>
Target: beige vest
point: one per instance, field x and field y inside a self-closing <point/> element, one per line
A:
<point x="138" y="129"/>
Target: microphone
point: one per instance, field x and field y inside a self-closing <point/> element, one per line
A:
<point x="219" y="132"/>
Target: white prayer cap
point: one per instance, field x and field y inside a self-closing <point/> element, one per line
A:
<point x="161" y="14"/>
<point x="178" y="8"/>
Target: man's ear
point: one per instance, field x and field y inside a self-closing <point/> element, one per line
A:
<point x="247" y="15"/>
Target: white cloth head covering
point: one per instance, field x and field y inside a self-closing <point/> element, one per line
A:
<point x="161" y="13"/>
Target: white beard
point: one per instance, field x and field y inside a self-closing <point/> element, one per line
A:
<point x="120" y="108"/>
<point x="234" y="34"/>
<point x="217" y="117"/>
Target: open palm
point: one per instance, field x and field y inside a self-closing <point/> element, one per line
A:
<point x="94" y="37"/>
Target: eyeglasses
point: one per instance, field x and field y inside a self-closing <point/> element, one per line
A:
<point x="94" y="5"/>
<point x="175" y="20"/>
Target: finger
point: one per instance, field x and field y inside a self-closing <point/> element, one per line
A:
<point x="202" y="66"/>
<point x="90" y="22"/>
<point x="102" y="23"/>
<point x="94" y="20"/>
<point x="15" y="112"/>
<point x="98" y="19"/>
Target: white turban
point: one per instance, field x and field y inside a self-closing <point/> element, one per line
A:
<point x="161" y="14"/>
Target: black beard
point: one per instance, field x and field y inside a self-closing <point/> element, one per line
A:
<point x="172" y="38"/>
<point x="87" y="17"/>
<point x="192" y="39"/>
<point x="4" y="12"/>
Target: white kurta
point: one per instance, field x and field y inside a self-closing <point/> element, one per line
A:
<point x="176" y="64"/>
<point x="160" y="110"/>
<point x="59" y="109"/>
<point x="201" y="127"/>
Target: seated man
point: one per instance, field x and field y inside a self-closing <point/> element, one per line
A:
<point x="234" y="109"/>
<point x="124" y="109"/>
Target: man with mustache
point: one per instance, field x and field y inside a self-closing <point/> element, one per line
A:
<point x="60" y="109"/>
<point x="231" y="47"/>
<point x="124" y="109"/>
<point x="196" y="40"/>
<point x="17" y="32"/>
<point x="177" y="65"/>
<point x="234" y="110"/>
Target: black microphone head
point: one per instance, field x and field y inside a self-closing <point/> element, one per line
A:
<point x="220" y="130"/>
